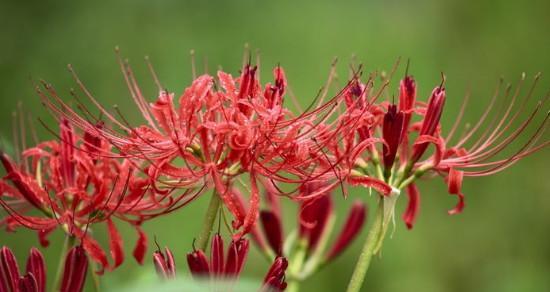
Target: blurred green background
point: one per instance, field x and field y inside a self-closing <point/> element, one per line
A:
<point x="500" y="243"/>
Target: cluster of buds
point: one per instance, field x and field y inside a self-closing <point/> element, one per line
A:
<point x="220" y="267"/>
<point x="307" y="247"/>
<point x="34" y="279"/>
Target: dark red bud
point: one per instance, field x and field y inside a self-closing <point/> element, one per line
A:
<point x="407" y="98"/>
<point x="37" y="267"/>
<point x="216" y="255"/>
<point x="236" y="256"/>
<point x="76" y="267"/>
<point x="352" y="227"/>
<point x="275" y="278"/>
<point x="392" y="132"/>
<point x="198" y="263"/>
<point x="431" y="121"/>
<point x="314" y="216"/>
<point x="164" y="264"/>
<point x="9" y="270"/>
<point x="273" y="230"/>
<point x="28" y="283"/>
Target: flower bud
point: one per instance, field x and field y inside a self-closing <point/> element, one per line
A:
<point x="198" y="263"/>
<point x="431" y="121"/>
<point x="273" y="230"/>
<point x="391" y="132"/>
<point x="164" y="264"/>
<point x="275" y="278"/>
<point x="76" y="267"/>
<point x="314" y="216"/>
<point x="37" y="268"/>
<point x="9" y="270"/>
<point x="236" y="255"/>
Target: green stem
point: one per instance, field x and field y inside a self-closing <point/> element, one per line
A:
<point x="95" y="276"/>
<point x="369" y="248"/>
<point x="296" y="264"/>
<point x="67" y="244"/>
<point x="209" y="219"/>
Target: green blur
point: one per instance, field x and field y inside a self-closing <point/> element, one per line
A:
<point x="500" y="243"/>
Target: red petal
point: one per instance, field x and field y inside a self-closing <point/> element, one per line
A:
<point x="115" y="244"/>
<point x="370" y="182"/>
<point x="352" y="227"/>
<point x="141" y="246"/>
<point x="438" y="143"/>
<point x="455" y="186"/>
<point x="412" y="208"/>
<point x="254" y="203"/>
<point x="96" y="253"/>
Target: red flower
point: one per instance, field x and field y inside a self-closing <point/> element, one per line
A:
<point x="74" y="188"/>
<point x="210" y="135"/>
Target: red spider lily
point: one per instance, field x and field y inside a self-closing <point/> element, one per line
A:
<point x="74" y="272"/>
<point x="315" y="225"/>
<point x="219" y="266"/>
<point x="220" y="128"/>
<point x="451" y="161"/>
<point x="75" y="188"/>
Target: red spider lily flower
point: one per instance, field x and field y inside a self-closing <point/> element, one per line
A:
<point x="224" y="127"/>
<point x="164" y="264"/>
<point x="452" y="161"/>
<point x="74" y="189"/>
<point x="34" y="280"/>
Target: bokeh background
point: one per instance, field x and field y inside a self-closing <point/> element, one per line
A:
<point x="502" y="240"/>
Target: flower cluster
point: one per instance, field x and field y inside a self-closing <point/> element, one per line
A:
<point x="234" y="136"/>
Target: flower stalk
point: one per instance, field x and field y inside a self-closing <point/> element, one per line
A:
<point x="370" y="247"/>
<point x="209" y="219"/>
